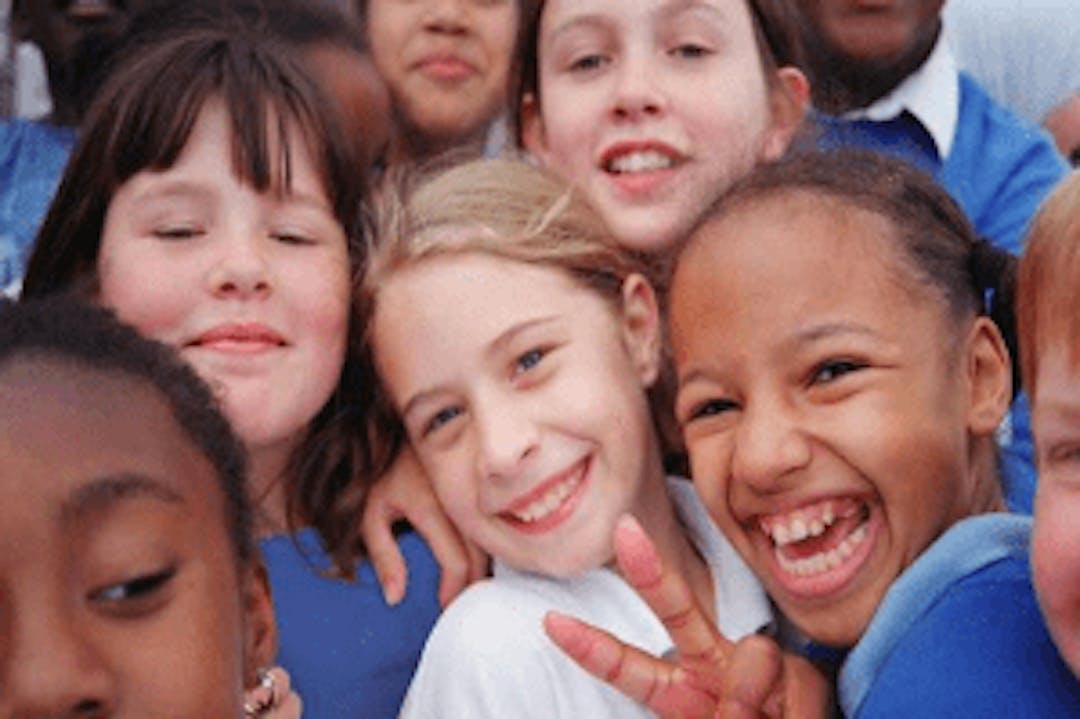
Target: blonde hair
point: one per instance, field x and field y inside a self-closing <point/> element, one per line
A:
<point x="503" y="208"/>
<point x="1048" y="291"/>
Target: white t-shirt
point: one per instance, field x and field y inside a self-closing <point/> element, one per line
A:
<point x="488" y="655"/>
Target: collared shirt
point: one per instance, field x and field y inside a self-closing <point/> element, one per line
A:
<point x="931" y="94"/>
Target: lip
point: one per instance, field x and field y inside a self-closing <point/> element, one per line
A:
<point x="445" y="66"/>
<point x="239" y="338"/>
<point x="641" y="183"/>
<point x="89" y="10"/>
<point x="829" y="584"/>
<point x="561" y="513"/>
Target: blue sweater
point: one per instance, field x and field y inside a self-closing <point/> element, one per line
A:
<point x="32" y="159"/>
<point x="959" y="634"/>
<point x="349" y="654"/>
<point x="999" y="169"/>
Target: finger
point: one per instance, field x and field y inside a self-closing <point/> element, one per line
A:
<point x="282" y="681"/>
<point x="449" y="549"/>
<point x="807" y="693"/>
<point x="650" y="681"/>
<point x="752" y="682"/>
<point x="669" y="596"/>
<point x="376" y="530"/>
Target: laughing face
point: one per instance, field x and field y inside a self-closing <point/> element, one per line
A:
<point x="252" y="287"/>
<point x="827" y="422"/>
<point x="523" y="395"/>
<point x="653" y="107"/>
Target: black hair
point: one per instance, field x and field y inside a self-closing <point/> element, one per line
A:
<point x="932" y="231"/>
<point x="63" y="328"/>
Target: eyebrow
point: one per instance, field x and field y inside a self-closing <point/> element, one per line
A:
<point x="103" y="493"/>
<point x="494" y="348"/>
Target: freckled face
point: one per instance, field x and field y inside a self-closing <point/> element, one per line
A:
<point x="520" y="396"/>
<point x="825" y="423"/>
<point x="119" y="588"/>
<point x="1055" y="543"/>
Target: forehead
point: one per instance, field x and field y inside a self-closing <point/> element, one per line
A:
<point x="558" y="15"/>
<point x="62" y="426"/>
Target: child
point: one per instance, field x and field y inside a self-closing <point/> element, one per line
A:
<point x="132" y="584"/>
<point x="516" y="346"/>
<point x="210" y="202"/>
<point x="839" y="386"/>
<point x="719" y="94"/>
<point x="447" y="64"/>
<point x="1048" y="347"/>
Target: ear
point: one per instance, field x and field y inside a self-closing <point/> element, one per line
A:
<point x="789" y="97"/>
<point x="641" y="327"/>
<point x="989" y="377"/>
<point x="532" y="128"/>
<point x="260" y="629"/>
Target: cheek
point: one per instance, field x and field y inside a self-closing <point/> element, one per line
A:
<point x="1055" y="556"/>
<point x="148" y="298"/>
<point x="708" y="465"/>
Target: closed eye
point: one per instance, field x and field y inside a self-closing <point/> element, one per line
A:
<point x="689" y="50"/>
<point x="832" y="370"/>
<point x="292" y="238"/>
<point x="177" y="232"/>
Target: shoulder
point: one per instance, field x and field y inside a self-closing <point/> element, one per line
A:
<point x="975" y="647"/>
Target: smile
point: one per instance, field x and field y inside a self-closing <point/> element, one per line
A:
<point x="819" y="547"/>
<point x="634" y="162"/>
<point x="239" y="338"/>
<point x="552" y="502"/>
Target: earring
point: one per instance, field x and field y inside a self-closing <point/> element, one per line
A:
<point x="263" y="697"/>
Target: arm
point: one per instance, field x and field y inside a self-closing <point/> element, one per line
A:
<point x="711" y="676"/>
<point x="404" y="492"/>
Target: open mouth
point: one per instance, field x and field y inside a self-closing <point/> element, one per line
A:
<point x="819" y="547"/>
<point x="551" y="503"/>
<point x="637" y="162"/>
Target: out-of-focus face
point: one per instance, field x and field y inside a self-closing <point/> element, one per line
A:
<point x="252" y="288"/>
<point x="824" y="404"/>
<point x="447" y="62"/>
<point x="879" y="31"/>
<point x="1055" y="543"/>
<point x="73" y="35"/>
<point x="523" y="395"/>
<point x="652" y="107"/>
<point x="120" y="593"/>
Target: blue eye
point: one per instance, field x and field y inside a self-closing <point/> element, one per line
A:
<point x="527" y="361"/>
<point x="442" y="417"/>
<point x="831" y="370"/>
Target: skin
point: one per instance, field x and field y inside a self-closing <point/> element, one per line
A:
<point x="684" y="80"/>
<point x="512" y="378"/>
<point x="74" y="37"/>
<point x="192" y="250"/>
<point x="1055" y="543"/>
<point x="1063" y="122"/>
<point x="446" y="63"/>
<point x="861" y="49"/>
<point x="796" y="390"/>
<point x="120" y="595"/>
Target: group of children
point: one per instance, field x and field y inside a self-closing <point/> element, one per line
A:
<point x="227" y="375"/>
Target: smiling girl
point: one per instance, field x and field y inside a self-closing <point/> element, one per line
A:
<point x="840" y="381"/>
<point x="211" y="202"/>
<point x="516" y="346"/>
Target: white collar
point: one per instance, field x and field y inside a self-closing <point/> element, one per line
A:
<point x="931" y="94"/>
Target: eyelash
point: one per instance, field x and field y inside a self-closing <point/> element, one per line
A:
<point x="710" y="408"/>
<point x="439" y="419"/>
<point x="292" y="238"/>
<point x="836" y="369"/>
<point x="690" y="51"/>
<point x="531" y="358"/>
<point x="177" y="232"/>
<point x="133" y="594"/>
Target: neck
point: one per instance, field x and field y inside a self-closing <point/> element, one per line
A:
<point x="266" y="485"/>
<point x="656" y="513"/>
<point x="419" y="149"/>
<point x="986" y="495"/>
<point x="840" y="83"/>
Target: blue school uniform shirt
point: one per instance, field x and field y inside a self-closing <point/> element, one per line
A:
<point x="959" y="634"/>
<point x="32" y="159"/>
<point x="347" y="652"/>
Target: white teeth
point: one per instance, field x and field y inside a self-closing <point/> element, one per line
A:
<point x="816" y="528"/>
<point x="823" y="561"/>
<point x="800" y="524"/>
<point x="548" y="503"/>
<point x="798" y="530"/>
<point x="645" y="161"/>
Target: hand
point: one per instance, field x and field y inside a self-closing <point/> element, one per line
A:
<point x="711" y="677"/>
<point x="405" y="492"/>
<point x="273" y="697"/>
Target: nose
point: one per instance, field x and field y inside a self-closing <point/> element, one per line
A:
<point x="447" y="16"/>
<point x="241" y="269"/>
<point x="637" y="93"/>
<point x="52" y="669"/>
<point x="506" y="438"/>
<point x="770" y="448"/>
